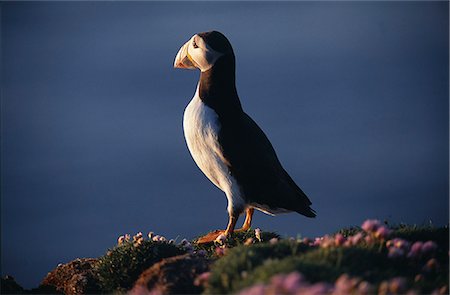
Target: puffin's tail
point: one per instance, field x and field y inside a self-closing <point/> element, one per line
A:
<point x="303" y="204"/>
<point x="307" y="211"/>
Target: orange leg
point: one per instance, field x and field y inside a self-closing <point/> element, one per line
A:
<point x="231" y="224"/>
<point x="210" y="237"/>
<point x="248" y="219"/>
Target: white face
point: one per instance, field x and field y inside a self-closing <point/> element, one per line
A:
<point x="195" y="53"/>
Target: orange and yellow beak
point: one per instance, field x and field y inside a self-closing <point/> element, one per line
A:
<point x="183" y="60"/>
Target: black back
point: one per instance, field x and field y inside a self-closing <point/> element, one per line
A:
<point x="247" y="150"/>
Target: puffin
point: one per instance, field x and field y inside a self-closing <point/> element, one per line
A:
<point x="227" y="144"/>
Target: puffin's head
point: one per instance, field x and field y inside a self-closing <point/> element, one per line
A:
<point x="202" y="51"/>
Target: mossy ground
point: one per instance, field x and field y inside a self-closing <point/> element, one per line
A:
<point x="373" y="254"/>
<point x="368" y="260"/>
<point x="122" y="265"/>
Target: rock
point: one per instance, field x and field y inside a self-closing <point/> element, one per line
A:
<point x="10" y="286"/>
<point x="75" y="277"/>
<point x="174" y="275"/>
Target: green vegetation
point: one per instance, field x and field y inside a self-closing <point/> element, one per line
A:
<point x="239" y="263"/>
<point x="237" y="239"/>
<point x="374" y="255"/>
<point x="372" y="259"/>
<point x="122" y="265"/>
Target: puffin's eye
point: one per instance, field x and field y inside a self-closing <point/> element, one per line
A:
<point x="194" y="44"/>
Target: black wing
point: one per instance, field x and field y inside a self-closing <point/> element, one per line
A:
<point x="255" y="165"/>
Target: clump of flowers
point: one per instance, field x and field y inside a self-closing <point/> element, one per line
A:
<point x="354" y="240"/>
<point x="119" y="268"/>
<point x="397" y="285"/>
<point x="419" y="267"/>
<point x="295" y="283"/>
<point x="373" y="233"/>
<point x="186" y="245"/>
<point x="376" y="229"/>
<point x="123" y="239"/>
<point x="401" y="248"/>
<point x="397" y="247"/>
<point x="352" y="285"/>
<point x="273" y="241"/>
<point x="138" y="239"/>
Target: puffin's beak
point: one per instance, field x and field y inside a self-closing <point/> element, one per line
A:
<point x="183" y="59"/>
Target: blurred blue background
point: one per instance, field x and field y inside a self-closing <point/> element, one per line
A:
<point x="353" y="95"/>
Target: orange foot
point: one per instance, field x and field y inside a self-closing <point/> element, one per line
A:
<point x="210" y="237"/>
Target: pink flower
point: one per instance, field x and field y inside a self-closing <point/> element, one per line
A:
<point x="395" y="252"/>
<point x="317" y="289"/>
<point x="307" y="241"/>
<point x="365" y="288"/>
<point x="277" y="281"/>
<point x="371" y="225"/>
<point x="416" y="250"/>
<point x="398" y="243"/>
<point x="429" y="247"/>
<point x="326" y="241"/>
<point x="273" y="241"/>
<point x="317" y="241"/>
<point x="292" y="281"/>
<point x="339" y="240"/>
<point x="139" y="290"/>
<point x="397" y="285"/>
<point x="368" y="239"/>
<point x="258" y="289"/>
<point x="345" y="284"/>
<point x="382" y="232"/>
<point x="401" y="244"/>
<point x="355" y="239"/>
<point x="390" y="243"/>
<point x="120" y="240"/>
<point x="417" y="246"/>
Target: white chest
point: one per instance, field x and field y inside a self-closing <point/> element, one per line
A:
<point x="201" y="130"/>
